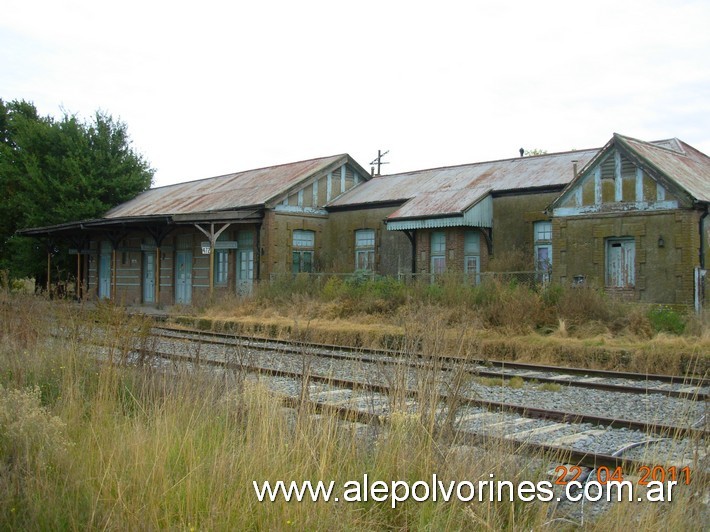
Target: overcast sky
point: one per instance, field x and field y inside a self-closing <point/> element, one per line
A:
<point x="213" y="87"/>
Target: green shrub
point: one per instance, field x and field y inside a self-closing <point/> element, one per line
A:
<point x="333" y="289"/>
<point x="665" y="319"/>
<point x="552" y="293"/>
<point x="515" y="383"/>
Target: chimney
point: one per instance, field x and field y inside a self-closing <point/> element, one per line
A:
<point x="522" y="152"/>
<point x="574" y="169"/>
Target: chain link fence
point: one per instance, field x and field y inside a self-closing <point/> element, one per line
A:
<point x="528" y="278"/>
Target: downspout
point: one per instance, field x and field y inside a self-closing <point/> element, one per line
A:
<point x="701" y="227"/>
<point x="699" y="272"/>
<point x="257" y="262"/>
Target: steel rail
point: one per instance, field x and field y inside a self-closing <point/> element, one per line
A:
<point x="524" y="411"/>
<point x="369" y="356"/>
<point x="568" y="455"/>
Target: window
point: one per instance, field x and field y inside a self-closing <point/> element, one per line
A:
<point x="365" y="249"/>
<point x="221" y="262"/>
<point x="472" y="255"/>
<point x="543" y="231"/>
<point x="303" y="248"/>
<point x="438" y="252"/>
<point x="221" y="266"/>
<point x="543" y="250"/>
<point x="620" y="262"/>
<point x="245" y="238"/>
<point x="245" y="261"/>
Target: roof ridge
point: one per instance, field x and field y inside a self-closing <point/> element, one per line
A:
<point x="656" y="143"/>
<point x="249" y="170"/>
<point x="529" y="157"/>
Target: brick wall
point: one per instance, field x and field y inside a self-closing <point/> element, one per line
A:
<point x="666" y="245"/>
<point x="455" y="240"/>
<point x="393" y="250"/>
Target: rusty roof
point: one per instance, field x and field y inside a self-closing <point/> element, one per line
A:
<point x="231" y="191"/>
<point x="440" y="203"/>
<point x="451" y="190"/>
<point x="675" y="159"/>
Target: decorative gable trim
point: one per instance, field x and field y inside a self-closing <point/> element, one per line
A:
<point x="607" y="184"/>
<point x="333" y="174"/>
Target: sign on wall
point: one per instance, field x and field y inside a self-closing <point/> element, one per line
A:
<point x="221" y="244"/>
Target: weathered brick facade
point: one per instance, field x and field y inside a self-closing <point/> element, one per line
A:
<point x="630" y="222"/>
<point x="393" y="250"/>
<point x="666" y="243"/>
<point x="454" y="254"/>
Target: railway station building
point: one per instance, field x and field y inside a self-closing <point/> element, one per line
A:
<point x="630" y="218"/>
<point x="180" y="243"/>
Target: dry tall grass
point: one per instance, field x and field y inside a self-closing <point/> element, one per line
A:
<point x="509" y="321"/>
<point x="105" y="446"/>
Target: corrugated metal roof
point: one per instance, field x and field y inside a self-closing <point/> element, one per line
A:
<point x="231" y="191"/>
<point x="442" y="191"/>
<point x="678" y="161"/>
<point x="479" y="215"/>
<point x="440" y="203"/>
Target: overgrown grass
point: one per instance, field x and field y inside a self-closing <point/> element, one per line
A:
<point x="516" y="305"/>
<point x="86" y="444"/>
<point x="515" y="382"/>
<point x="666" y="319"/>
<point x="513" y="320"/>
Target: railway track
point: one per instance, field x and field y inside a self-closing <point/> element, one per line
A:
<point x="584" y="439"/>
<point x="685" y="387"/>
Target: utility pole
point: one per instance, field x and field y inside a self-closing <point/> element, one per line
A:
<point x="378" y="161"/>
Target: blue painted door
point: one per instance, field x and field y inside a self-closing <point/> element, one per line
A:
<point x="245" y="271"/>
<point x="104" y="273"/>
<point x="183" y="277"/>
<point x="148" y="277"/>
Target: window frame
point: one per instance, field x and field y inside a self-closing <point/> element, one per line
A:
<point x="303" y="250"/>
<point x="472" y="253"/>
<point x="437" y="251"/>
<point x="365" y="250"/>
<point x="221" y="266"/>
<point x="542" y="238"/>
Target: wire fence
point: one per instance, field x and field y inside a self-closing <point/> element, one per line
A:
<point x="528" y="278"/>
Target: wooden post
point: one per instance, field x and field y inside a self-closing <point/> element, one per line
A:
<point x="78" y="274"/>
<point x="212" y="236"/>
<point x="49" y="271"/>
<point x="212" y="245"/>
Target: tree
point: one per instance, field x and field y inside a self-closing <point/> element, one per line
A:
<point x="54" y="171"/>
<point x="535" y="151"/>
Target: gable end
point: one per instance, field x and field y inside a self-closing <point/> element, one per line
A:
<point x="617" y="180"/>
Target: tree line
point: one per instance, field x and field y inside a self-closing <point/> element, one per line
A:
<point x="56" y="170"/>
